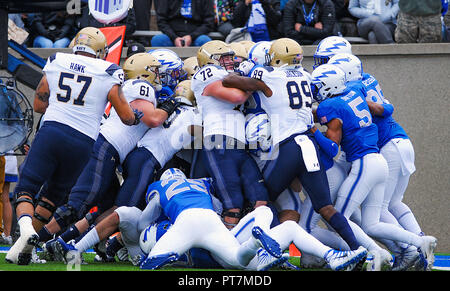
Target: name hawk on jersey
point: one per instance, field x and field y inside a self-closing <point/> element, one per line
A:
<point x="77" y="67"/>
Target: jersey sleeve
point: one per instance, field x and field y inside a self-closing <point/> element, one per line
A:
<point x="115" y="73"/>
<point x="326" y="112"/>
<point x="50" y="64"/>
<point x="206" y="76"/>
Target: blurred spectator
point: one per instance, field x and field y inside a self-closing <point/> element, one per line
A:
<point x="142" y="11"/>
<point x="53" y="29"/>
<point x="419" y="21"/>
<point x="183" y="22"/>
<point x="309" y="21"/>
<point x="346" y="21"/>
<point x="224" y="15"/>
<point x="377" y="19"/>
<point x="87" y="20"/>
<point x="243" y="10"/>
<point x="341" y="7"/>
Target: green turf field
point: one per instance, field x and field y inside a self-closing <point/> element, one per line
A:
<point x="92" y="266"/>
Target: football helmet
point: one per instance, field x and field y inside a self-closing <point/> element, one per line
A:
<point x="151" y="234"/>
<point x="91" y="40"/>
<point x="171" y="70"/>
<point x="285" y="51"/>
<point x="258" y="132"/>
<point x="16" y="116"/>
<point x="240" y="53"/>
<point x="258" y="53"/>
<point x="190" y="66"/>
<point x="326" y="81"/>
<point x="247" y="45"/>
<point x="142" y="66"/>
<point x="328" y="47"/>
<point x="216" y="52"/>
<point x="350" y="64"/>
<point x="172" y="173"/>
<point x="184" y="94"/>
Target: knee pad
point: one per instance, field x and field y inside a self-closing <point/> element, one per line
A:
<point x="65" y="216"/>
<point x="23" y="197"/>
<point x="47" y="206"/>
<point x="91" y="217"/>
<point x="228" y="214"/>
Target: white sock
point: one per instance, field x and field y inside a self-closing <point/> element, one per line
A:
<point x="26" y="226"/>
<point x="90" y="239"/>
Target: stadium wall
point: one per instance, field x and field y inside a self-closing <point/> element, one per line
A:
<point x="415" y="79"/>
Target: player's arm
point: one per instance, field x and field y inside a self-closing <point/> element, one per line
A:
<point x="151" y="212"/>
<point x="153" y="117"/>
<point x="41" y="96"/>
<point x="327" y="145"/>
<point x="383" y="110"/>
<point x="120" y="104"/>
<point x="232" y="95"/>
<point x="334" y="131"/>
<point x="246" y="84"/>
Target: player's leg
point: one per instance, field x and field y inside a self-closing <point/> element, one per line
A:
<point x="138" y="172"/>
<point x="223" y="165"/>
<point x="50" y="145"/>
<point x="93" y="181"/>
<point x="399" y="154"/>
<point x="190" y="227"/>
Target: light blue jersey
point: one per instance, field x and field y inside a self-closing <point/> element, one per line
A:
<point x="359" y="134"/>
<point x="388" y="128"/>
<point x="177" y="195"/>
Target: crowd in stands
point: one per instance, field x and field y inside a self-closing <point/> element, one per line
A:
<point x="190" y="22"/>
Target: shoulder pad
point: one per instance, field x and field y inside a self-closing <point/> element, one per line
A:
<point x="112" y="69"/>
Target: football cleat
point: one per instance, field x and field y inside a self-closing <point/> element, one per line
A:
<point x="266" y="261"/>
<point x="406" y="259"/>
<point x="35" y="259"/>
<point x="25" y="255"/>
<point x="268" y="243"/>
<point x="379" y="260"/>
<point x="67" y="251"/>
<point x="158" y="261"/>
<point x="345" y="260"/>
<point x="426" y="251"/>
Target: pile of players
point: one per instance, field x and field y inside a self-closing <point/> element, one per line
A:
<point x="213" y="153"/>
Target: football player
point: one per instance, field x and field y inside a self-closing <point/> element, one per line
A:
<point x="154" y="149"/>
<point x="286" y="91"/>
<point x="235" y="174"/>
<point x="347" y="116"/>
<point x="114" y="143"/>
<point x="328" y="47"/>
<point x="394" y="144"/>
<point x="73" y="94"/>
<point x="187" y="203"/>
<point x="171" y="71"/>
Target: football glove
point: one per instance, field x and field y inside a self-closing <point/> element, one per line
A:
<point x="169" y="105"/>
<point x="244" y="68"/>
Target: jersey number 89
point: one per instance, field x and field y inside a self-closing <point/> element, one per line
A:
<point x="296" y="95"/>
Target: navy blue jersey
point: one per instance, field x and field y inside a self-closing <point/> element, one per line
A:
<point x="177" y="195"/>
<point x="388" y="128"/>
<point x="359" y="134"/>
